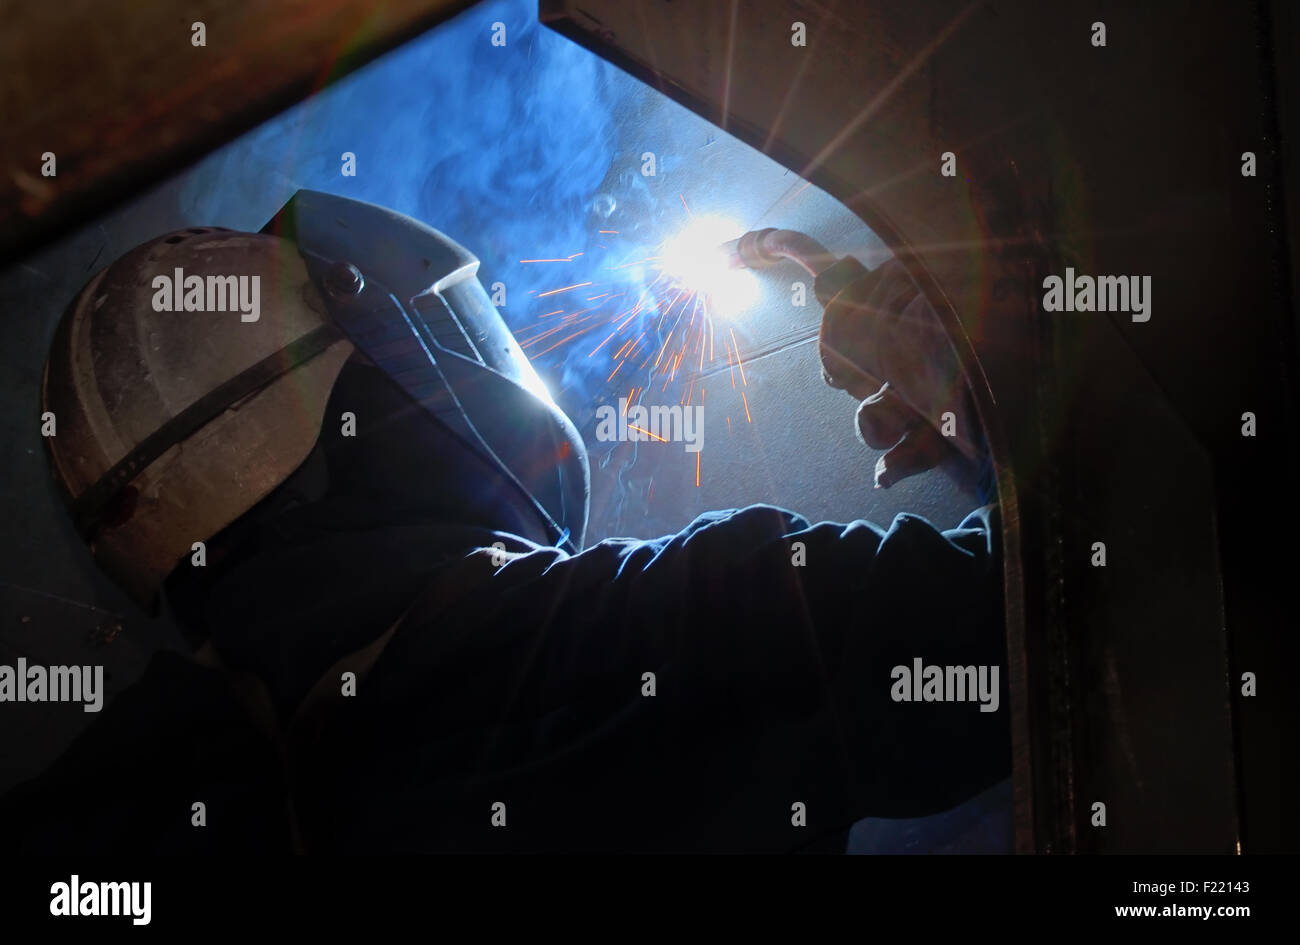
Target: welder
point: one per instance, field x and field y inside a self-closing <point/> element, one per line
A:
<point x="367" y="515"/>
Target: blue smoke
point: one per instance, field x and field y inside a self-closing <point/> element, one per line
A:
<point x="507" y="149"/>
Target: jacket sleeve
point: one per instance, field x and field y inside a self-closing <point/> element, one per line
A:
<point x="690" y="692"/>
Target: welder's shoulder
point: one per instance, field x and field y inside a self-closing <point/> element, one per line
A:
<point x="720" y="539"/>
<point x="731" y="539"/>
<point x="717" y="531"/>
<point x="712" y="539"/>
<point x="748" y="538"/>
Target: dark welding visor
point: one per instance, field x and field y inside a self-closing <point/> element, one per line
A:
<point x="410" y="300"/>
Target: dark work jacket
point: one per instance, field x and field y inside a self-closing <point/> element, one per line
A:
<point x="710" y="690"/>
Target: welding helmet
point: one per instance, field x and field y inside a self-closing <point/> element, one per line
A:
<point x="178" y="405"/>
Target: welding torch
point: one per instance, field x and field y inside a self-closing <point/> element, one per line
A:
<point x="882" y="342"/>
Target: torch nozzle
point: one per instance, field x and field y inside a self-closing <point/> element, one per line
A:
<point x="759" y="249"/>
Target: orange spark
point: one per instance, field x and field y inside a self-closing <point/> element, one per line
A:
<point x="617" y="329"/>
<point x="632" y="426"/>
<point x="532" y="341"/>
<point x="739" y="364"/>
<point x="631" y="264"/>
<point x="576" y="285"/>
<point x="565" y="259"/>
<point x="629" y="346"/>
<point x="581" y="331"/>
<point x="665" y="347"/>
<point x="670" y="306"/>
<point x="748" y="418"/>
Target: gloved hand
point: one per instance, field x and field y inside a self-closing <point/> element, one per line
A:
<point x="882" y="342"/>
